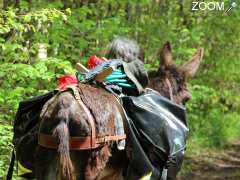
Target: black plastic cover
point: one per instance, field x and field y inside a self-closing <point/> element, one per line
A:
<point x="26" y="127"/>
<point x="157" y="135"/>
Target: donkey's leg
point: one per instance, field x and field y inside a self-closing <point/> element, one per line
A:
<point x="111" y="173"/>
<point x="46" y="164"/>
<point x="79" y="159"/>
<point x="115" y="166"/>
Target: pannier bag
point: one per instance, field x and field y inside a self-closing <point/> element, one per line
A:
<point x="25" y="134"/>
<point x="156" y="136"/>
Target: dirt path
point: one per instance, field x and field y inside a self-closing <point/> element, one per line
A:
<point x="221" y="165"/>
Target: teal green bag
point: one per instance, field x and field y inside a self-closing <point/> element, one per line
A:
<point x="118" y="77"/>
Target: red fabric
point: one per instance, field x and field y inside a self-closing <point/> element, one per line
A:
<point x="65" y="80"/>
<point x="93" y="61"/>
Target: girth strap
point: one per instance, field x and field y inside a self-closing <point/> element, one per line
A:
<point x="77" y="143"/>
<point x="80" y="143"/>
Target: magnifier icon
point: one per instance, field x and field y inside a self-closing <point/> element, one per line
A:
<point x="232" y="5"/>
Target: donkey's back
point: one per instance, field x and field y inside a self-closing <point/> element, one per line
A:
<point x="64" y="119"/>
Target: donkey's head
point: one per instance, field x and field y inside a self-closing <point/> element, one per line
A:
<point x="170" y="80"/>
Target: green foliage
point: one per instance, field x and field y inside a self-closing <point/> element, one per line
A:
<point x="5" y="144"/>
<point x="75" y="30"/>
<point x="28" y="80"/>
<point x="213" y="115"/>
<point x="21" y="33"/>
<point x="23" y="75"/>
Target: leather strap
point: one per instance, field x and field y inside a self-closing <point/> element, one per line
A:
<point x="77" y="143"/>
<point x="80" y="143"/>
<point x="11" y="166"/>
<point x="89" y="115"/>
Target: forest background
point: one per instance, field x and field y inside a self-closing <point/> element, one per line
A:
<point x="73" y="30"/>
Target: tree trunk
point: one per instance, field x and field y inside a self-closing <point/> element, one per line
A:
<point x="128" y="9"/>
<point x="138" y="11"/>
<point x="29" y="5"/>
<point x="77" y="3"/>
<point x="1" y="4"/>
<point x="6" y="3"/>
<point x="17" y="3"/>
<point x="181" y="11"/>
<point x="65" y="4"/>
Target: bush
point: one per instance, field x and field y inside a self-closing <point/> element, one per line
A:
<point x="213" y="116"/>
<point x="73" y="31"/>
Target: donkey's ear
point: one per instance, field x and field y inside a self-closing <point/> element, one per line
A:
<point x="190" y="68"/>
<point x="166" y="54"/>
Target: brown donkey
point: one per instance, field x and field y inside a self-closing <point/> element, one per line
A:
<point x="63" y="117"/>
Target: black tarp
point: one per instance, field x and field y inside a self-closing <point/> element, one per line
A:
<point x="25" y="130"/>
<point x="156" y="137"/>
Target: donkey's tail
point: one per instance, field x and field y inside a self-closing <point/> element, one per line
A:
<point x="65" y="167"/>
